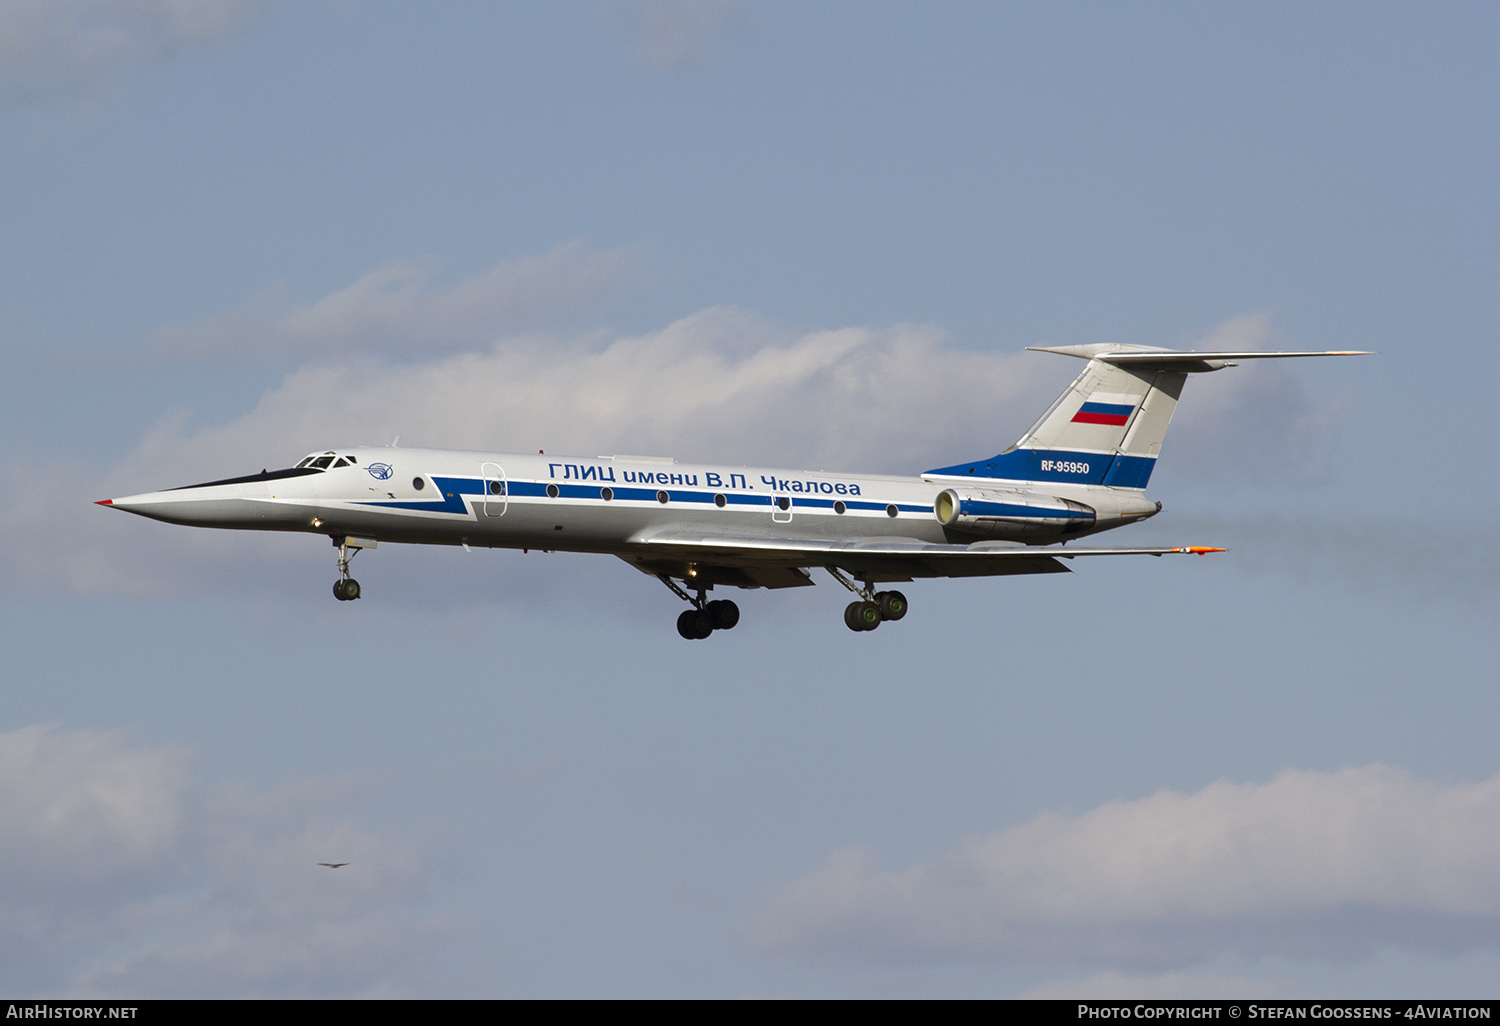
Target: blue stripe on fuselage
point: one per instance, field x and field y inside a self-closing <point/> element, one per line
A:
<point x="453" y="488"/>
<point x="1130" y="471"/>
<point x="1006" y="509"/>
<point x="1060" y="465"/>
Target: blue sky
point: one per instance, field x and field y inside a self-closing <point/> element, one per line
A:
<point x="798" y="234"/>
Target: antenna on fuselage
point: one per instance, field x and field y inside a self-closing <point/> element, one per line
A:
<point x="395" y="441"/>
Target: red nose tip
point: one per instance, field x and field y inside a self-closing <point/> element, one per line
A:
<point x="104" y="502"/>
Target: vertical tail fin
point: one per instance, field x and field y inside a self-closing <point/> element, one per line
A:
<point x="1112" y="410"/>
<point x="1107" y="427"/>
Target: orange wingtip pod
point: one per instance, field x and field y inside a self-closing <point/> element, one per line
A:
<point x="1198" y="550"/>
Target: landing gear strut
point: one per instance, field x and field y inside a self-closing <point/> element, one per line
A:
<point x="705" y="617"/>
<point x="873" y="608"/>
<point x="346" y="588"/>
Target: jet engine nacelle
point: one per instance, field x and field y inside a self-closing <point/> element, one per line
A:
<point x="1018" y="516"/>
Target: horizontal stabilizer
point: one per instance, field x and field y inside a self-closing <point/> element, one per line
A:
<point x="1156" y="358"/>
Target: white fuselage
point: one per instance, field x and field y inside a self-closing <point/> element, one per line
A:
<point x="592" y="504"/>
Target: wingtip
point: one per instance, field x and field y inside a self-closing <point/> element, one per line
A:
<point x="1198" y="550"/>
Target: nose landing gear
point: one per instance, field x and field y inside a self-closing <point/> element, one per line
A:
<point x="705" y="617"/>
<point x="346" y="588"/>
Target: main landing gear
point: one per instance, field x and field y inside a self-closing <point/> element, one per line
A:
<point x="346" y="588"/>
<point x="873" y="608"/>
<point x="705" y="617"/>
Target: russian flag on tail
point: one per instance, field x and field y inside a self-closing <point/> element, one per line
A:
<point x="1115" y="414"/>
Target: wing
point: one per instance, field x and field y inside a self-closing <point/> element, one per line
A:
<point x="752" y="562"/>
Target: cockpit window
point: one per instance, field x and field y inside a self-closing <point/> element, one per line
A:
<point x="325" y="461"/>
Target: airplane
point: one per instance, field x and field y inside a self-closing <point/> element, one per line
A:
<point x="1081" y="469"/>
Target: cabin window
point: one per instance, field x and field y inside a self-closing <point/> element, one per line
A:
<point x="719" y="500"/>
<point x="890" y="510"/>
<point x="418" y="483"/>
<point x="552" y="491"/>
<point x="662" y="497"/>
<point x="783" y="502"/>
<point x="606" y="493"/>
<point x="497" y="487"/>
<point x="838" y="506"/>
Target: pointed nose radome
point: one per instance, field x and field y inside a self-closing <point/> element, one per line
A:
<point x="196" y="507"/>
<point x="245" y="505"/>
<point x="147" y="504"/>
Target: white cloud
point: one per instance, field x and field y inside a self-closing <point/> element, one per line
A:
<point x="720" y="384"/>
<point x="673" y="35"/>
<point x="1330" y="863"/>
<point x="49" y="47"/>
<point x="122" y="876"/>
<point x="397" y="309"/>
